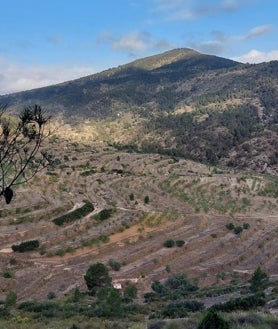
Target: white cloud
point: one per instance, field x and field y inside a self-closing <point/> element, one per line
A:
<point x="215" y="46"/>
<point x="255" y="56"/>
<point x="230" y="5"/>
<point x="220" y="43"/>
<point x="15" y="77"/>
<point x="134" y="43"/>
<point x="177" y="10"/>
<point x="258" y="31"/>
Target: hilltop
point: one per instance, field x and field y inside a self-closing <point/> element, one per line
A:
<point x="130" y="87"/>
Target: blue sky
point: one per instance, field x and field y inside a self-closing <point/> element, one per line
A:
<point x="44" y="42"/>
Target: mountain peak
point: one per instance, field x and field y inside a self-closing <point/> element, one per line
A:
<point x="168" y="57"/>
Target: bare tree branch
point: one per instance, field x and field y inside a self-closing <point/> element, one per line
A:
<point x="20" y="141"/>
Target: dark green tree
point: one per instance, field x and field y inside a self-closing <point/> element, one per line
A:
<point x="113" y="304"/>
<point x="109" y="302"/>
<point x="77" y="295"/>
<point x="10" y="299"/>
<point x="130" y="293"/>
<point x="146" y="199"/>
<point x="169" y="243"/>
<point x="212" y="320"/>
<point x="21" y="140"/>
<point x="259" y="280"/>
<point x="114" y="264"/>
<point x="97" y="276"/>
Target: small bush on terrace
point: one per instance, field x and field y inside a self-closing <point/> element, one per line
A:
<point x="75" y="214"/>
<point x="114" y="264"/>
<point x="238" y="229"/>
<point x="180" y="243"/>
<point x="103" y="214"/>
<point x="169" y="243"/>
<point x="26" y="246"/>
<point x="175" y="287"/>
<point x="230" y="226"/>
<point x="179" y="309"/>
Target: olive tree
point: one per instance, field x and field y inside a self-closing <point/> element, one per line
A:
<point x="97" y="276"/>
<point x="21" y="140"/>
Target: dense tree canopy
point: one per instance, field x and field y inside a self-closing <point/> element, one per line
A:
<point x="97" y="276"/>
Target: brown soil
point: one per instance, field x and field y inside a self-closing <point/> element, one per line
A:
<point x="188" y="201"/>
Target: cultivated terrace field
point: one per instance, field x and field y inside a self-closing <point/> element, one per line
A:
<point x="183" y="236"/>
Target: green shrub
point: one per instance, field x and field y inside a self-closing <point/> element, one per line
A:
<point x="175" y="287"/>
<point x="230" y="226"/>
<point x="60" y="252"/>
<point x="180" y="243"/>
<point x="168" y="268"/>
<point x="104" y="214"/>
<point x="271" y="188"/>
<point x="10" y="299"/>
<point x="77" y="295"/>
<point x="179" y="309"/>
<point x="245" y="226"/>
<point x="87" y="173"/>
<point x="238" y="230"/>
<point x="180" y="284"/>
<point x="241" y="303"/>
<point x="169" y="243"/>
<point x="146" y="199"/>
<point x="103" y="238"/>
<point x="51" y="295"/>
<point x="159" y="288"/>
<point x="50" y="309"/>
<point x="75" y="214"/>
<point x="26" y="246"/>
<point x="151" y="297"/>
<point x="130" y="293"/>
<point x="114" y="264"/>
<point x="259" y="280"/>
<point x="117" y="171"/>
<point x="7" y="274"/>
<point x="213" y="321"/>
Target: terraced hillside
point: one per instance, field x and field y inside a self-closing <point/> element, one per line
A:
<point x="124" y="206"/>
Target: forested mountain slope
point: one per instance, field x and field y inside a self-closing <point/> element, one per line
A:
<point x="188" y="104"/>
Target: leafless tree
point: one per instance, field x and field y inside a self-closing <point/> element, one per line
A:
<point x="21" y="155"/>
